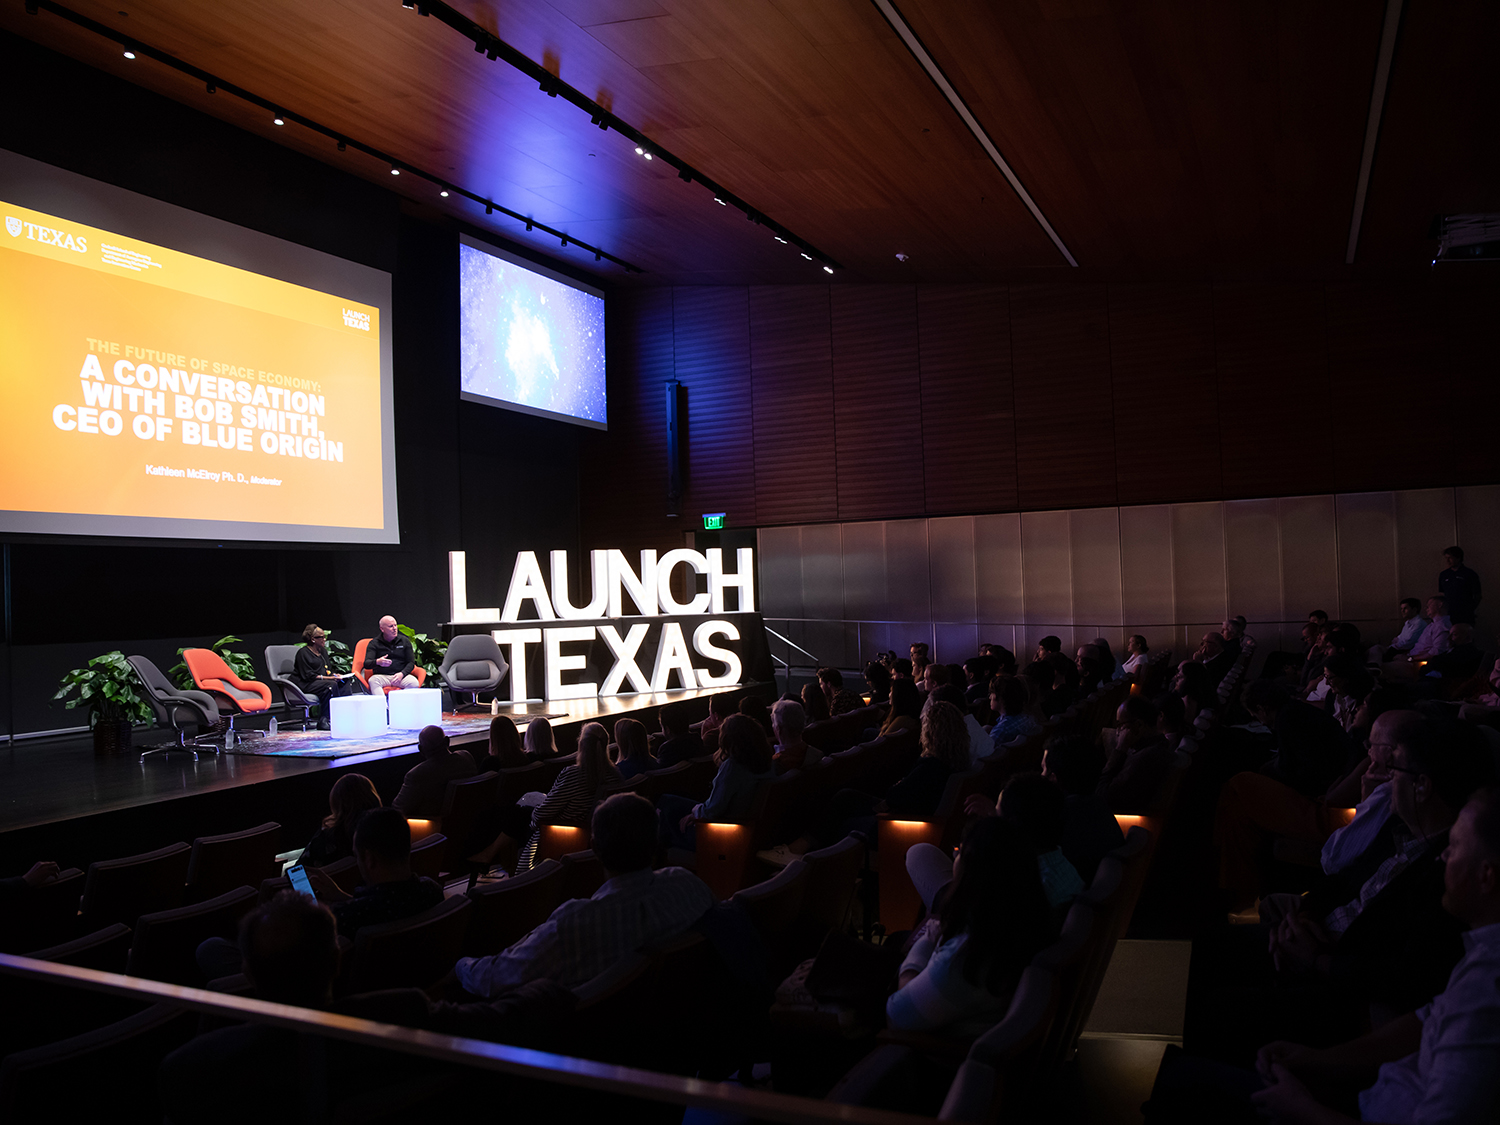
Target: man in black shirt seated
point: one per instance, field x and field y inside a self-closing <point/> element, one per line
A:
<point x="389" y="890"/>
<point x="314" y="675"/>
<point x="680" y="743"/>
<point x="389" y="659"/>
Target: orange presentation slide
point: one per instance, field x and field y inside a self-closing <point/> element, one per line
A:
<point x="139" y="381"/>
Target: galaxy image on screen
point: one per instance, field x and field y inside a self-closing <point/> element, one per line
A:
<point x="529" y="341"/>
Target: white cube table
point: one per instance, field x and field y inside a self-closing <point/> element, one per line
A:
<point x="356" y="716"/>
<point x="414" y="708"/>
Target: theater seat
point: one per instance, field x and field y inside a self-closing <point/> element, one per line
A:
<point x="234" y="696"/>
<point x="235" y="859"/>
<point x="428" y="855"/>
<point x="165" y="942"/>
<point x="105" y="950"/>
<point x="583" y="874"/>
<point x="42" y="915"/>
<point x="413" y="952"/>
<point x="121" y="890"/>
<point x="508" y="910"/>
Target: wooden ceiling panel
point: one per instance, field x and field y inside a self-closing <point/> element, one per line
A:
<point x="1162" y="139"/>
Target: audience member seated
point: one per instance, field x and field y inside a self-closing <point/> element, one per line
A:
<point x="1090" y="831"/>
<point x="1171" y="718"/>
<point x="945" y="750"/>
<point x="1435" y="639"/>
<point x="1318" y="651"/>
<point x="744" y="757"/>
<point x="634" y="749"/>
<point x="878" y="680"/>
<point x="840" y="699"/>
<point x="1412" y="624"/>
<point x="1108" y="664"/>
<point x="978" y="672"/>
<point x="1091" y="671"/>
<point x="635" y="908"/>
<point x="815" y="703"/>
<point x="1482" y="702"/>
<point x="506" y="752"/>
<point x="576" y="791"/>
<point x="1038" y="806"/>
<point x="720" y="707"/>
<point x="1005" y="660"/>
<point x="1376" y="934"/>
<point x="1138" y="656"/>
<point x="1138" y="758"/>
<point x="1458" y="664"/>
<point x="1064" y="690"/>
<point x="1196" y="690"/>
<point x="1008" y="699"/>
<point x="541" y="743"/>
<point x="1214" y="656"/>
<point x="1348" y="684"/>
<point x="680" y="742"/>
<point x="351" y="797"/>
<point x="426" y="783"/>
<point x="1440" y="1062"/>
<point x="755" y="707"/>
<point x="1046" y="647"/>
<point x="389" y="660"/>
<point x="1233" y="632"/>
<point x="967" y="958"/>
<point x="906" y="709"/>
<point x="901" y="669"/>
<point x="314" y="675"/>
<point x="1254" y="807"/>
<point x="1311" y="749"/>
<point x="788" y="721"/>
<point x="934" y="676"/>
<point x="13" y="888"/>
<point x="980" y="745"/>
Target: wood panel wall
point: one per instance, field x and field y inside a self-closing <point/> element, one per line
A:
<point x="821" y="403"/>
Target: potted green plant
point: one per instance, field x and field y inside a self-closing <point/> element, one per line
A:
<point x="238" y="663"/>
<point x="426" y="651"/>
<point x="109" y="688"/>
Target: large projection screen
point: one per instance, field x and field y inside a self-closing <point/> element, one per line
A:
<point x="165" y="374"/>
<point x="530" y="339"/>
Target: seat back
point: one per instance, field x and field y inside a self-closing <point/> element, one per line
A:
<point x="105" y="950"/>
<point x="722" y="855"/>
<point x="785" y="809"/>
<point x="43" y="915"/>
<point x="583" y="874"/>
<point x="166" y="699"/>
<point x="235" y="859"/>
<point x="653" y="783"/>
<point x="412" y="952"/>
<point x="165" y="942"/>
<point x="344" y="872"/>
<point x="774" y="907"/>
<point x="513" y="782"/>
<point x="1068" y="959"/>
<point x="121" y="890"/>
<point x="211" y="673"/>
<point x="429" y="856"/>
<point x="1004" y="1052"/>
<point x="473" y="663"/>
<point x="508" y="910"/>
<point x="280" y="661"/>
<point x="832" y="873"/>
<point x="552" y="767"/>
<point x="464" y="801"/>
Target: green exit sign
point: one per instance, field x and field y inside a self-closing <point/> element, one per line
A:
<point x="713" y="521"/>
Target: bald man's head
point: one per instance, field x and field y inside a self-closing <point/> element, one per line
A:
<point x="388" y="627"/>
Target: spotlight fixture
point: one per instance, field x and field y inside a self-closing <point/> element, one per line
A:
<point x="779" y="239"/>
<point x="565" y="241"/>
<point x="808" y="257"/>
<point x="395" y="171"/>
<point x="596" y="255"/>
<point x="639" y="151"/>
<point x="130" y="54"/>
<point x="827" y="269"/>
<point x="528" y="224"/>
<point x="720" y="202"/>
<point x="278" y="120"/>
<point x="444" y="193"/>
<point x="489" y="208"/>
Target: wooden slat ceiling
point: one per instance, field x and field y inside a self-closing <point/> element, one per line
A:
<point x="1165" y="139"/>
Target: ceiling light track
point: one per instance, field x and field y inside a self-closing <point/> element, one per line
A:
<point x="280" y="116"/>
<point x="919" y="51"/>
<point x="494" y="48"/>
<point x="1385" y="53"/>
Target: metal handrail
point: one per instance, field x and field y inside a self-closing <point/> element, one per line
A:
<point x="518" y="1061"/>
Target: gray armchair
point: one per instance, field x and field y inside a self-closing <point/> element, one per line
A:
<point x="472" y="665"/>
<point x="174" y="706"/>
<point x="280" y="660"/>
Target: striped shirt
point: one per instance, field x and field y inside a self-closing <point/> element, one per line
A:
<point x="584" y="937"/>
<point x="570" y="802"/>
<point x="1343" y="917"/>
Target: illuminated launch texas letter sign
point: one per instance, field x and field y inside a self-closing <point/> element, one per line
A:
<point x="649" y="590"/>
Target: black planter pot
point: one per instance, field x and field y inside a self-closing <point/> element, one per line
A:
<point x="112" y="737"/>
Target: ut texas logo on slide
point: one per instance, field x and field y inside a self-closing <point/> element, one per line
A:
<point x="13" y="225"/>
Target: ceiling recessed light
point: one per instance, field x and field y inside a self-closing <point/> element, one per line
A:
<point x="130" y="54"/>
<point x="395" y="171"/>
<point x="277" y="120"/>
<point x="720" y="202"/>
<point x="827" y="269"/>
<point x="779" y="239"/>
<point x="444" y="193"/>
<point x="808" y="257"/>
<point x="639" y="151"/>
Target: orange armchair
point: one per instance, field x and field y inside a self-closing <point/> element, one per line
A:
<point x="233" y="695"/>
<point x="364" y="676"/>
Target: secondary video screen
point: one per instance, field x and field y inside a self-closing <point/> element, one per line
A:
<point x="529" y="339"/>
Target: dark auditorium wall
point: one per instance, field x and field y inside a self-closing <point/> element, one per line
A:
<point x="848" y="402"/>
<point x="486" y="481"/>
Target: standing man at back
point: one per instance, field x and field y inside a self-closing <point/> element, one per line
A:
<point x="1460" y="586"/>
<point x="389" y="659"/>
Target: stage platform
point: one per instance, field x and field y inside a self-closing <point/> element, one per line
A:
<point x="63" y="802"/>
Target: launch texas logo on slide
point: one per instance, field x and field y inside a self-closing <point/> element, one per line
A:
<point x="148" y="380"/>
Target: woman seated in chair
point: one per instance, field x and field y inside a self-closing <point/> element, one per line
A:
<point x="576" y="791"/>
<point x="966" y="961"/>
<point x="906" y="709"/>
<point x="633" y="748"/>
<point x="541" y="743"/>
<point x="351" y="797"/>
<point x="506" y="751"/>
<point x="744" y="757"/>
